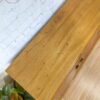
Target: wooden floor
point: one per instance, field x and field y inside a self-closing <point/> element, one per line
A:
<point x="86" y="85"/>
<point x="44" y="64"/>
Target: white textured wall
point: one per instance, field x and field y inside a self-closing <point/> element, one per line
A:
<point x="19" y="22"/>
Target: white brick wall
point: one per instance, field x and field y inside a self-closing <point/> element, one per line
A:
<point x="19" y="22"/>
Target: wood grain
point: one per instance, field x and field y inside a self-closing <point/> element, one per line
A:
<point x="76" y="68"/>
<point x="45" y="63"/>
<point x="86" y="85"/>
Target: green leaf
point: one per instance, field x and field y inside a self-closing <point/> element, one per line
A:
<point x="0" y="93"/>
<point x="13" y="90"/>
<point x="6" y="90"/>
<point x="19" y="89"/>
<point x="4" y="98"/>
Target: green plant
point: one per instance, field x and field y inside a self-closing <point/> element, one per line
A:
<point x="15" y="92"/>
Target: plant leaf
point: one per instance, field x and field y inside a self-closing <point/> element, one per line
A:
<point x="20" y="98"/>
<point x="13" y="90"/>
<point x="14" y="96"/>
<point x="0" y="93"/>
<point x="6" y="90"/>
<point x="4" y="97"/>
<point x="19" y="89"/>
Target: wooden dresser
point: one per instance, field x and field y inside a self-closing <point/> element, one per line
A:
<point x="58" y="50"/>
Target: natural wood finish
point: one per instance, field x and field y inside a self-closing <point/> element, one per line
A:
<point x="76" y="68"/>
<point x="45" y="63"/>
<point x="86" y="85"/>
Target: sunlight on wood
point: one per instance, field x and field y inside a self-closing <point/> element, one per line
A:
<point x="86" y="85"/>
